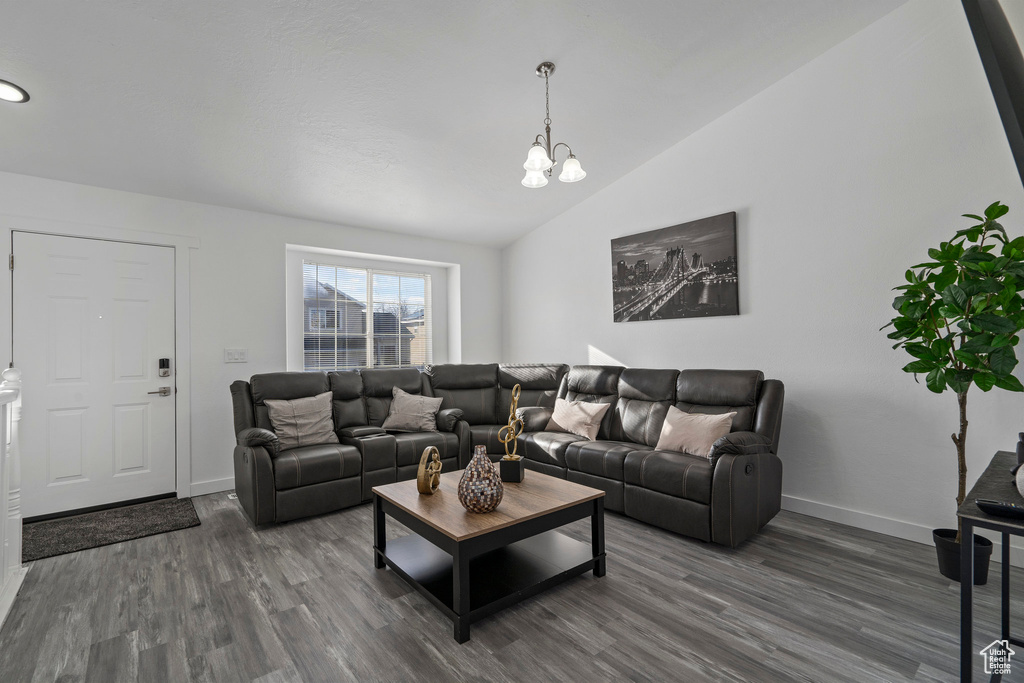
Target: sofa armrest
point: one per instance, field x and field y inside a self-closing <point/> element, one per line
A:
<point x="359" y="432"/>
<point x="740" y="443"/>
<point x="254" y="483"/>
<point x="535" y="418"/>
<point x="255" y="437"/>
<point x="746" y="492"/>
<point x="465" y="437"/>
<point x="447" y="418"/>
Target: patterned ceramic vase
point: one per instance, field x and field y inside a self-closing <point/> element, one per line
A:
<point x="480" y="489"/>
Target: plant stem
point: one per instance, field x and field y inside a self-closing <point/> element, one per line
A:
<point x="961" y="456"/>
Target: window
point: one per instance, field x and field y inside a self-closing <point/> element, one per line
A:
<point x="358" y="317"/>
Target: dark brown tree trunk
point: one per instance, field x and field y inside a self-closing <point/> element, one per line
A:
<point x="961" y="457"/>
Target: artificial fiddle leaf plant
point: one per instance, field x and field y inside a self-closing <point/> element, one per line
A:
<point x="959" y="316"/>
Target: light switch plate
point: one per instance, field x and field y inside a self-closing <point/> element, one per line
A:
<point x="236" y="355"/>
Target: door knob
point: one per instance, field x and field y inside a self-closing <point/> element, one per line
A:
<point x="163" y="391"/>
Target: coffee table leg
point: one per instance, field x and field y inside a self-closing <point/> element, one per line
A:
<point x="379" y="533"/>
<point x="460" y="595"/>
<point x="597" y="536"/>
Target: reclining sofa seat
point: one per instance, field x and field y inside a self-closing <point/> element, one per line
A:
<point x="484" y="392"/>
<point x="276" y="485"/>
<point x="545" y="451"/>
<point x="378" y="385"/>
<point x="635" y="419"/>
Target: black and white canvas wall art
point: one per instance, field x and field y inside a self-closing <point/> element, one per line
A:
<point x="683" y="271"/>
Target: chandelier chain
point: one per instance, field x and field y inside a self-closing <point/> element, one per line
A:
<point x="547" y="101"/>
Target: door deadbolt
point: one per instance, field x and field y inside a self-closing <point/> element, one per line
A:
<point x="163" y="391"/>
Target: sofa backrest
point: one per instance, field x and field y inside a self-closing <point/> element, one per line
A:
<point x="378" y="386"/>
<point x="349" y="407"/>
<point x="644" y="398"/>
<point x="471" y="388"/>
<point x="721" y="391"/>
<point x="593" y="384"/>
<point x="538" y="385"/>
<point x="284" y="386"/>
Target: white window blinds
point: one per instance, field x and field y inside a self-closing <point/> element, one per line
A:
<point x="358" y="318"/>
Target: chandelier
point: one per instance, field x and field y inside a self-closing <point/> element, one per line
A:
<point x="540" y="160"/>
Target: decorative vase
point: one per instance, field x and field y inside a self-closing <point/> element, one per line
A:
<point x="480" y="489"/>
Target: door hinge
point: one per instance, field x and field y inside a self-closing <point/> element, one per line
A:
<point x="10" y="262"/>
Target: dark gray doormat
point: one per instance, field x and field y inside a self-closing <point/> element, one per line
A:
<point x="93" y="529"/>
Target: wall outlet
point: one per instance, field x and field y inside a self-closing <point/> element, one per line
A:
<point x="236" y="355"/>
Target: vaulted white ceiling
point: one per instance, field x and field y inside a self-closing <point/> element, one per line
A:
<point x="411" y="116"/>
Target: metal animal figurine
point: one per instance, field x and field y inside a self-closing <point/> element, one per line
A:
<point x="514" y="428"/>
<point x="428" y="477"/>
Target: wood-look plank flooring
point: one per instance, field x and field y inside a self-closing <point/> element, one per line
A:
<point x="805" y="600"/>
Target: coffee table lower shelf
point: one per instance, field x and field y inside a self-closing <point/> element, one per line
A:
<point x="498" y="579"/>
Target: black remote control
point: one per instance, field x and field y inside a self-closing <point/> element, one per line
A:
<point x="1000" y="509"/>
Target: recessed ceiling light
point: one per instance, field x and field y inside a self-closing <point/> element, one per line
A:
<point x="12" y="93"/>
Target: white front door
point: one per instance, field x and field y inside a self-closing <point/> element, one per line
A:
<point x="92" y="319"/>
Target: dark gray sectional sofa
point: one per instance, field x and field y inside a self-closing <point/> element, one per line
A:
<point x="723" y="499"/>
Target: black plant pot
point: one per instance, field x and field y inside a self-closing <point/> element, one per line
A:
<point x="948" y="551"/>
<point x="512" y="470"/>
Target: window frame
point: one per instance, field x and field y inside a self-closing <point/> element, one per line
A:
<point x="370" y="313"/>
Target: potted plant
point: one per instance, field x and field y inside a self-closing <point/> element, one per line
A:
<point x="959" y="316"/>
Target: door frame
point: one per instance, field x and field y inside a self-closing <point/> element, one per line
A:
<point x="183" y="246"/>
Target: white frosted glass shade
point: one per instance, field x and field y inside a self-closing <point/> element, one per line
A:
<point x="537" y="159"/>
<point x="12" y="93"/>
<point x="571" y="171"/>
<point x="535" y="179"/>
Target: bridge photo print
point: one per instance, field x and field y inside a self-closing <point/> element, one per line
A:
<point x="683" y="271"/>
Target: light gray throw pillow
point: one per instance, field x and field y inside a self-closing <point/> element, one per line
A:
<point x="577" y="417"/>
<point x="411" y="413"/>
<point x="303" y="421"/>
<point x="693" y="433"/>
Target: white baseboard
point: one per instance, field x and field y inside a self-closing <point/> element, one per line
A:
<point x="890" y="527"/>
<point x="10" y="591"/>
<point x="201" y="488"/>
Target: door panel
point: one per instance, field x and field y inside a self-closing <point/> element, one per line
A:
<point x="92" y="318"/>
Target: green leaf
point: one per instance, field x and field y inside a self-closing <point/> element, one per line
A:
<point x="959" y="380"/>
<point x="1010" y="383"/>
<point x="918" y="366"/>
<point x="990" y="322"/>
<point x="1000" y="341"/>
<point x="976" y="255"/>
<point x="915" y="309"/>
<point x="954" y="297"/>
<point x="971" y="215"/>
<point x="979" y="343"/>
<point x="935" y="254"/>
<point x="985" y="380"/>
<point x="921" y="351"/>
<point x="995" y="210"/>
<point x="1002" y="361"/>
<point x="935" y="381"/>
<point x="969" y="359"/>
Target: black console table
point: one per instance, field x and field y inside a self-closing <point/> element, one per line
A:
<point x="995" y="483"/>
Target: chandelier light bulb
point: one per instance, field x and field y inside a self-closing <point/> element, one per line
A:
<point x="571" y="171"/>
<point x="537" y="159"/>
<point x="535" y="179"/>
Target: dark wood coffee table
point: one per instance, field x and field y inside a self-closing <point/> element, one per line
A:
<point x="472" y="565"/>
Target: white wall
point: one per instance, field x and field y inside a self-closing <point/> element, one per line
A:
<point x="842" y="174"/>
<point x="238" y="287"/>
